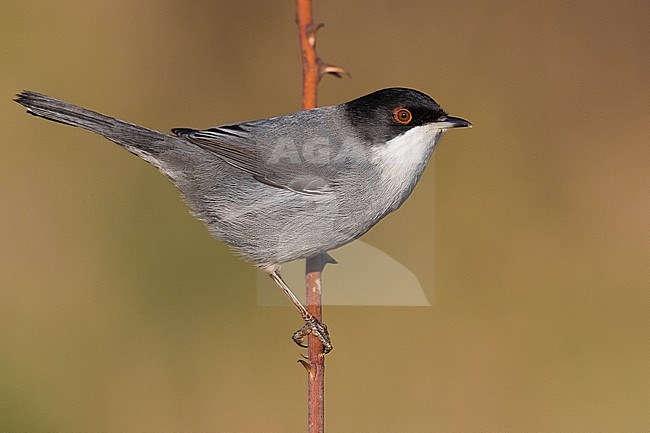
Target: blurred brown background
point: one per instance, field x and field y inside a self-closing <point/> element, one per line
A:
<point x="119" y="313"/>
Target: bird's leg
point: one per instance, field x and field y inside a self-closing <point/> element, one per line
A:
<point x="311" y="323"/>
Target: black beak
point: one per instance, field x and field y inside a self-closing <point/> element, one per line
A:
<point x="452" y="122"/>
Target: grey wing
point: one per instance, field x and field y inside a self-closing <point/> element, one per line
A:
<point x="234" y="145"/>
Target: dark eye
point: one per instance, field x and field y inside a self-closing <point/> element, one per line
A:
<point x="402" y="115"/>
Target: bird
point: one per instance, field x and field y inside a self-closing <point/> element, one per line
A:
<point x="287" y="187"/>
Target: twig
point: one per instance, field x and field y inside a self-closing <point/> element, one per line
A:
<point x="313" y="68"/>
<point x="315" y="364"/>
<point x="315" y="356"/>
<point x="307" y="35"/>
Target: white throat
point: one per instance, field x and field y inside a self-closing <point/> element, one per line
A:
<point x="402" y="160"/>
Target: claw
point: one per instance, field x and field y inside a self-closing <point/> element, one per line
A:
<point x="299" y="336"/>
<point x="318" y="329"/>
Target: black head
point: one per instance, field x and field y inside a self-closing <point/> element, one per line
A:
<point x="385" y="114"/>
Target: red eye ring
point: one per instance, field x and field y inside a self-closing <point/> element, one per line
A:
<point x="402" y="115"/>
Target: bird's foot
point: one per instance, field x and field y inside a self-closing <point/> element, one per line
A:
<point x="313" y="326"/>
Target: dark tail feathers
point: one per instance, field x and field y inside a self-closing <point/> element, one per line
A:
<point x="133" y="137"/>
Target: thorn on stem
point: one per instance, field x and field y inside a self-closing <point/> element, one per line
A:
<point x="305" y="364"/>
<point x="311" y="33"/>
<point x="326" y="68"/>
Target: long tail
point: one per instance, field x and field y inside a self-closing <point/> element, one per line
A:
<point x="146" y="143"/>
<point x="195" y="172"/>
